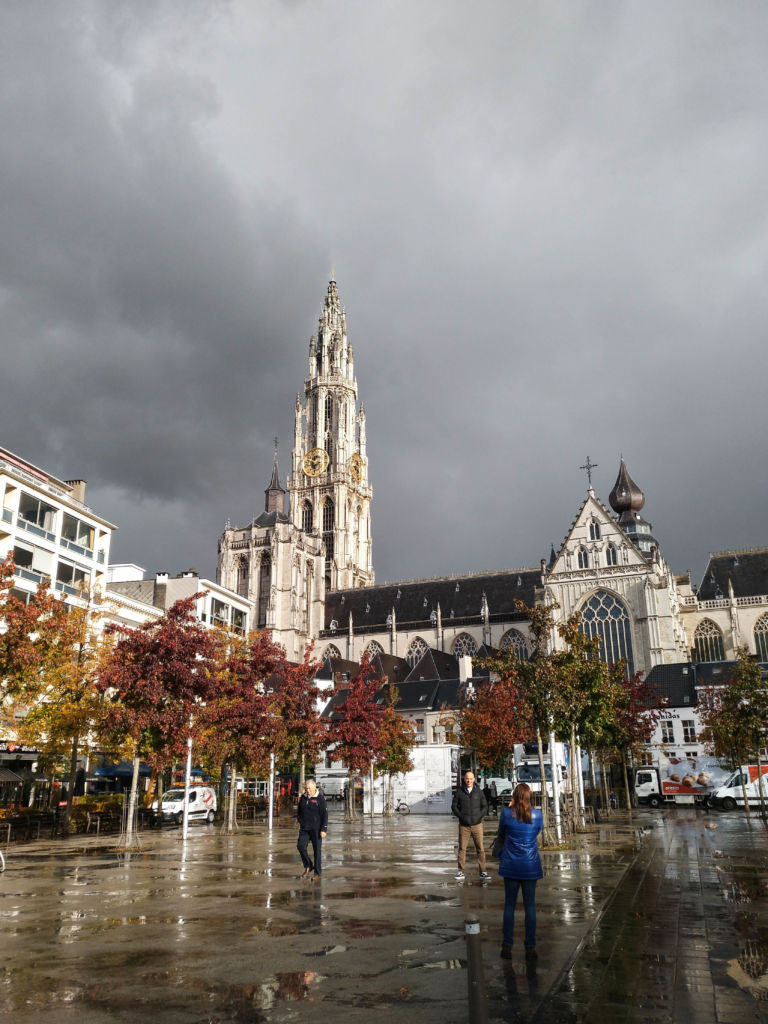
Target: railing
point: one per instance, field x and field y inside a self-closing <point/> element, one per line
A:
<point x="72" y="546"/>
<point x="38" y="531"/>
<point x="7" y="515"/>
<point x="31" y="575"/>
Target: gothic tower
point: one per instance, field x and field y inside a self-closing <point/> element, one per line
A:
<point x="330" y="495"/>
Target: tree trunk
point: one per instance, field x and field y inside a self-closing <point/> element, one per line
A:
<point x="543" y="782"/>
<point x="760" y="783"/>
<point x="132" y="801"/>
<point x="71" y="785"/>
<point x="575" y="769"/>
<point x="302" y="769"/>
<point x="626" y="782"/>
<point x="744" y="790"/>
<point x="593" y="778"/>
<point x="606" y="796"/>
<point x="231" y="816"/>
<point x="350" y="801"/>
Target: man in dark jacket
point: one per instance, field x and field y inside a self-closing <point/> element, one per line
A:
<point x="470" y="807"/>
<point x="313" y="826"/>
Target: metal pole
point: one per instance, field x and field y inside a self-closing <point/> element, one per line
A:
<point x="271" y="788"/>
<point x="555" y="767"/>
<point x="187" y="774"/>
<point x="478" y="1005"/>
<point x="371" y="778"/>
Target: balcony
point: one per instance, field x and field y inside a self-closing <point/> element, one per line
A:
<point x="37" y="531"/>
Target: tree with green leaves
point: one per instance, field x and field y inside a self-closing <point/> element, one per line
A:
<point x="65" y="704"/>
<point x="735" y="717"/>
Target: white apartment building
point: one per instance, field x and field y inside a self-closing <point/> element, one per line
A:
<point x="52" y="534"/>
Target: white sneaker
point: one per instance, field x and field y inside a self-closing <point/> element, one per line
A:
<point x="484" y="876"/>
<point x="459" y="876"/>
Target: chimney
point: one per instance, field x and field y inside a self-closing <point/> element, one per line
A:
<point x="77" y="487"/>
<point x="465" y="667"/>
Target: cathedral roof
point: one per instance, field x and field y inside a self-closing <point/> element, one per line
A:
<point x="460" y="599"/>
<point x="745" y="571"/>
<point x="388" y="666"/>
<point x="270" y="518"/>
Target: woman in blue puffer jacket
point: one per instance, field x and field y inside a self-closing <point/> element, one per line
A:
<point x="520" y="866"/>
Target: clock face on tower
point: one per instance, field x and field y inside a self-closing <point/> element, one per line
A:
<point x="315" y="462"/>
<point x="356" y="466"/>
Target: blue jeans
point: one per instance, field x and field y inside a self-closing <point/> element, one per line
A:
<point x="511" y="885"/>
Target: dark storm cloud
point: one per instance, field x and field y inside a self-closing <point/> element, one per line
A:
<point x="548" y="227"/>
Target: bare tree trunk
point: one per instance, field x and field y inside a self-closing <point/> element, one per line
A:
<point x="543" y="782"/>
<point x="231" y="816"/>
<point x="302" y="769"/>
<point x="350" y="800"/>
<point x="760" y="783"/>
<point x="575" y="770"/>
<point x="744" y="790"/>
<point x="606" y="796"/>
<point x="132" y="801"/>
<point x="592" y="777"/>
<point x="626" y="782"/>
<point x="71" y="785"/>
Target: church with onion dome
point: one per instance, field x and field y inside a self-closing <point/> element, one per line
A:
<point x="309" y="570"/>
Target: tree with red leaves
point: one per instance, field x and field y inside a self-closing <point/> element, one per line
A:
<point x="155" y="678"/>
<point x="297" y="694"/>
<point x="240" y="725"/>
<point x="497" y="717"/>
<point x="397" y="743"/>
<point x="357" y="726"/>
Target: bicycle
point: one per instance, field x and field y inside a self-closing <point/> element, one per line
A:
<point x="402" y="807"/>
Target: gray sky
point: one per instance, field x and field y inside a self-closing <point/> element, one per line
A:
<point x="547" y="221"/>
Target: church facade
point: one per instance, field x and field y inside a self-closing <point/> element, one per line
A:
<point x="309" y="572"/>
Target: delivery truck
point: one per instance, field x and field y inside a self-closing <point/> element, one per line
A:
<point x="730" y="795"/>
<point x="679" y="780"/>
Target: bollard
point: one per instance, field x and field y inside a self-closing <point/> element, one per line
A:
<point x="8" y="837"/>
<point x="478" y="1008"/>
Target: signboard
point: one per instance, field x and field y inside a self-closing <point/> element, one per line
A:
<point x="12" y="747"/>
<point x="691" y="776"/>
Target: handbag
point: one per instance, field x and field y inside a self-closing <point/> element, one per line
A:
<point x="498" y="846"/>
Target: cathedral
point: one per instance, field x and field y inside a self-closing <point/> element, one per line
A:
<point x="309" y="572"/>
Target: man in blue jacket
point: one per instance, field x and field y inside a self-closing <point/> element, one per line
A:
<point x="470" y="807"/>
<point x="313" y="826"/>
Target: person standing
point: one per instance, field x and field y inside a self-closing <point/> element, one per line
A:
<point x="470" y="807"/>
<point x="520" y="866"/>
<point x="312" y="817"/>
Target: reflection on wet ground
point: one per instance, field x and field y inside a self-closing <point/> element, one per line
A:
<point x="670" y="925"/>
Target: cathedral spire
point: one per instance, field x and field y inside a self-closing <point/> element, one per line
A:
<point x="626" y="499"/>
<point x="275" y="494"/>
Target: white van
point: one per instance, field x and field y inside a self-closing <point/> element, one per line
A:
<point x="202" y="804"/>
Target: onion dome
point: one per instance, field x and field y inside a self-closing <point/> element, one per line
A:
<point x="626" y="496"/>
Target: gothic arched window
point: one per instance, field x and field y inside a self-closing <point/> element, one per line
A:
<point x="306" y="517"/>
<point x="331" y="651"/>
<point x="603" y="615"/>
<point x="416" y="650"/>
<point x="265" y="583"/>
<point x="611" y="555"/>
<point x="583" y="555"/>
<point x="464" y="644"/>
<point x="594" y="530"/>
<point x="761" y="637"/>
<point x="374" y="648"/>
<point x="708" y="642"/>
<point x="513" y="640"/>
<point x="328" y="412"/>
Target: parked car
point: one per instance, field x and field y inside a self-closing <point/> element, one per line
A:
<point x="202" y="804"/>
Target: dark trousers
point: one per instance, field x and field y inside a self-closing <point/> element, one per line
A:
<point x="511" y="886"/>
<point x="307" y="835"/>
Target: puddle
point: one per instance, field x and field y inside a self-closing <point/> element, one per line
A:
<point x="328" y="951"/>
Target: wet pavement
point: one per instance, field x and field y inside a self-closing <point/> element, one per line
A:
<point x="665" y="924"/>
